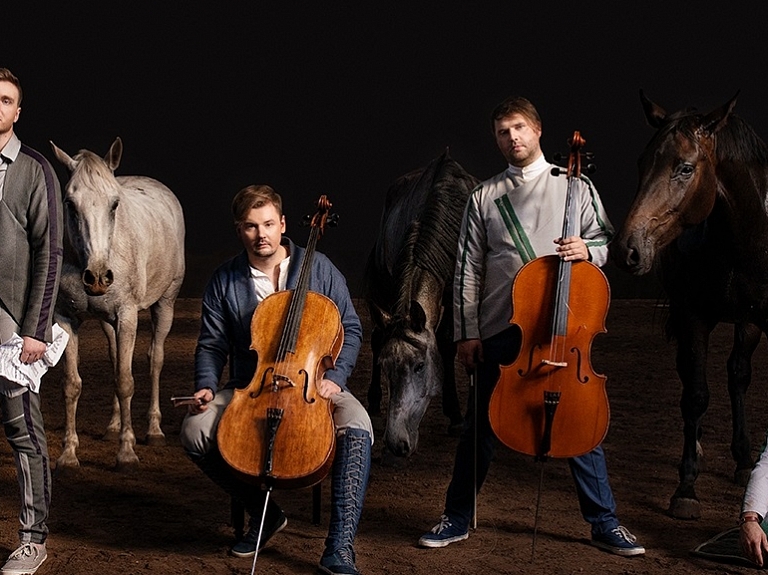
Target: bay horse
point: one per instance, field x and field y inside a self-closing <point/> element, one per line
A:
<point x="699" y="217"/>
<point x="123" y="253"/>
<point x="409" y="291"/>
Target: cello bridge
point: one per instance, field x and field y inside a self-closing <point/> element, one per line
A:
<point x="554" y="363"/>
<point x="281" y="381"/>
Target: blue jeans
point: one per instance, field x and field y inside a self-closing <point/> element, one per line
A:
<point x="589" y="471"/>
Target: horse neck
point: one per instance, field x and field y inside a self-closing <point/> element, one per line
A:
<point x="741" y="204"/>
<point x="422" y="286"/>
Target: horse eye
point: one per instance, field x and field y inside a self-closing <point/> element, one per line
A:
<point x="419" y="367"/>
<point x="115" y="204"/>
<point x="684" y="170"/>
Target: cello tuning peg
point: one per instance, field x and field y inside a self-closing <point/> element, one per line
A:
<point x="589" y="169"/>
<point x="558" y="157"/>
<point x="306" y="220"/>
<point x="558" y="171"/>
<point x="333" y="220"/>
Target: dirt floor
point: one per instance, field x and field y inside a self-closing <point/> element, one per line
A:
<point x="169" y="518"/>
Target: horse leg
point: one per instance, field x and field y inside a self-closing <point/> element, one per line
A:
<point x="746" y="337"/>
<point x="126" y="341"/>
<point x="691" y="367"/>
<point x="450" y="398"/>
<point x="447" y="349"/>
<point x="162" y="319"/>
<point x="71" y="388"/>
<point x="374" y="388"/>
<point x="112" y="433"/>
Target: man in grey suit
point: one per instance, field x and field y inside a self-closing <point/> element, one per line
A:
<point x="30" y="259"/>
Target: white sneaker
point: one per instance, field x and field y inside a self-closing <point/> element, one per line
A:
<point x="25" y="560"/>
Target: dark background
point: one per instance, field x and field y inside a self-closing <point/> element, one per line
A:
<point x="341" y="98"/>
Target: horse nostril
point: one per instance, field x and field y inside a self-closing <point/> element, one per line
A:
<point x="89" y="278"/>
<point x="633" y="256"/>
<point x="109" y="278"/>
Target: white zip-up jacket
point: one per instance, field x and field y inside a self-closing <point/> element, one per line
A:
<point x="509" y="220"/>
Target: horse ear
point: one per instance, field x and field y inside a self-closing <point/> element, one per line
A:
<point x="114" y="154"/>
<point x="63" y="157"/>
<point x="379" y="317"/>
<point x="718" y="118"/>
<point x="654" y="114"/>
<point x="417" y="316"/>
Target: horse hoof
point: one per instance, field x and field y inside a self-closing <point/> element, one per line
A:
<point x="127" y="467"/>
<point x="66" y="467"/>
<point x="741" y="477"/>
<point x="156" y="440"/>
<point x="684" y="508"/>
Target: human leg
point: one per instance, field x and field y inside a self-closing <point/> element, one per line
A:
<point x="198" y="437"/>
<point x="349" y="481"/>
<point x="597" y="504"/>
<point x="469" y="472"/>
<point x="23" y="425"/>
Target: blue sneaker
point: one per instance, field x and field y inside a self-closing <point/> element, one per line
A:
<point x="246" y="547"/>
<point x="444" y="533"/>
<point x="618" y="541"/>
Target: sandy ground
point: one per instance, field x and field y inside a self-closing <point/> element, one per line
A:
<point x="168" y="518"/>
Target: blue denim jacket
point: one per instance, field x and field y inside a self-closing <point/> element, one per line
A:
<point x="228" y="305"/>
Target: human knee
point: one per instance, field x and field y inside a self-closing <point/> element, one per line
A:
<point x="349" y="413"/>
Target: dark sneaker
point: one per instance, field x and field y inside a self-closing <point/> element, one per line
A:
<point x="442" y="534"/>
<point x="25" y="560"/>
<point x="618" y="541"/>
<point x="246" y="547"/>
<point x="340" y="563"/>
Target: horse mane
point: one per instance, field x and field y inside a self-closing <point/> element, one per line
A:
<point x="432" y="239"/>
<point x="736" y="141"/>
<point x="91" y="170"/>
<point x="419" y="233"/>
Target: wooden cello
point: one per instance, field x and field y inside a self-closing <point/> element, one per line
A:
<point x="278" y="431"/>
<point x="549" y="402"/>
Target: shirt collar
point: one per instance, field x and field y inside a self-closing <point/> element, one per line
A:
<point x="531" y="171"/>
<point x="11" y="150"/>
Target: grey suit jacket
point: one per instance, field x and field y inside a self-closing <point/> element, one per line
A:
<point x="31" y="250"/>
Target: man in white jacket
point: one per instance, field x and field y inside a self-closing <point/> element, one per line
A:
<point x="509" y="220"/>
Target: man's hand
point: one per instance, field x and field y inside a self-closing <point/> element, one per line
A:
<point x="204" y="396"/>
<point x="327" y="388"/>
<point x="31" y="349"/>
<point x="470" y="353"/>
<point x="753" y="541"/>
<point x="572" y="249"/>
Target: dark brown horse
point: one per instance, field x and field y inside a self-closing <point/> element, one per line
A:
<point x="699" y="217"/>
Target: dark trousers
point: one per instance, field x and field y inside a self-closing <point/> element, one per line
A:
<point x="589" y="471"/>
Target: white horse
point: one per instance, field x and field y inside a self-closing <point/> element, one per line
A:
<point x="124" y="252"/>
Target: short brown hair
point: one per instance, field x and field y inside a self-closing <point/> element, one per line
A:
<point x="7" y="76"/>
<point x="515" y="105"/>
<point x="254" y="196"/>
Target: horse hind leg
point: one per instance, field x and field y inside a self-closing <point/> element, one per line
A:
<point x="746" y="337"/>
<point x="162" y="320"/>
